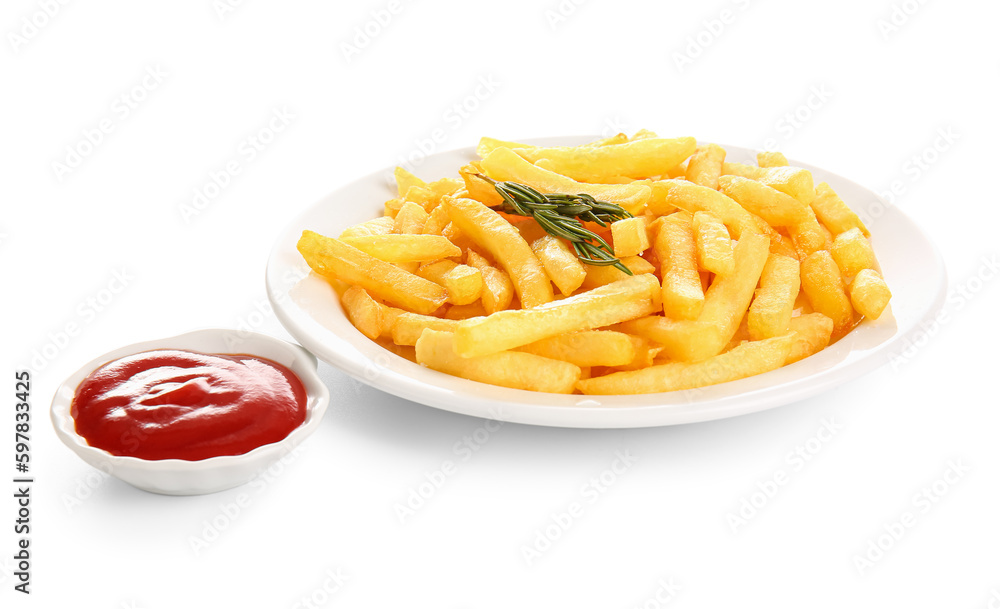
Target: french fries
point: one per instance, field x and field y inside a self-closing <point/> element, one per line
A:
<point x="717" y="270"/>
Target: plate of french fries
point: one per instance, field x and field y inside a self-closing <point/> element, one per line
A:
<point x="627" y="281"/>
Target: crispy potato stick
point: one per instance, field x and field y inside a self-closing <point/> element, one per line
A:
<point x="436" y="221"/>
<point x="479" y="189"/>
<point x="812" y="333"/>
<point x="771" y="309"/>
<point x="586" y="348"/>
<point x="714" y="246"/>
<point x="834" y="213"/>
<point x="560" y="263"/>
<point x="852" y="252"/>
<point x="363" y="311"/>
<point x="513" y="369"/>
<point x="639" y="159"/>
<point x="668" y="194"/>
<point x="793" y="181"/>
<point x="685" y="341"/>
<point x="772" y="205"/>
<point x="675" y="248"/>
<point x="771" y="159"/>
<point x="377" y="226"/>
<point x="495" y="235"/>
<point x="606" y="305"/>
<point x="705" y="165"/>
<point x="745" y="360"/>
<point x="337" y="260"/>
<point x="809" y="236"/>
<point x="410" y="219"/>
<point x="391" y="208"/>
<point x="408" y="327"/>
<point x="422" y="196"/>
<point x="823" y="284"/>
<point x="498" y="290"/>
<point x="504" y="164"/>
<point x="405" y="248"/>
<point x="464" y="283"/>
<point x="603" y="275"/>
<point x="869" y="293"/>
<point x="629" y="236"/>
<point x="406" y="180"/>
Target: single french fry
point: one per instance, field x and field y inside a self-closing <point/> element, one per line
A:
<point x="363" y="311"/>
<point x="812" y="334"/>
<point x="560" y="262"/>
<point x="422" y="196"/>
<point x="852" y="252"/>
<point x="834" y="213"/>
<point x="598" y="275"/>
<point x="505" y="165"/>
<point x="337" y="260"/>
<point x="391" y="207"/>
<point x="793" y="181"/>
<point x="410" y="219"/>
<point x="823" y="284"/>
<point x="809" y="236"/>
<point x="675" y="248"/>
<point x="408" y="327"/>
<point x="586" y="348"/>
<point x="637" y="159"/>
<point x="771" y="159"/>
<point x="771" y="309"/>
<point x="603" y="306"/>
<point x="405" y="247"/>
<point x="406" y="180"/>
<point x="445" y="186"/>
<point x="745" y="360"/>
<point x="629" y="237"/>
<point x="495" y="235"/>
<point x="869" y="293"/>
<point x="436" y="221"/>
<point x="513" y="369"/>
<point x="681" y="340"/>
<point x="772" y="205"/>
<point x="713" y="243"/>
<point x="464" y="283"/>
<point x="479" y="189"/>
<point x="705" y="165"/>
<point x="377" y="226"/>
<point x="670" y="194"/>
<point x="498" y="290"/>
<point x="645" y="354"/>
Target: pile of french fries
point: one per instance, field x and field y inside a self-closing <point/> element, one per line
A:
<point x="736" y="269"/>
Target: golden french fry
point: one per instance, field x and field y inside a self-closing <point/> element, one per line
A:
<point x="823" y="284"/>
<point x="745" y="360"/>
<point x="408" y="327"/>
<point x="645" y="354"/>
<point x="812" y="334"/>
<point x="771" y="159"/>
<point x="586" y="348"/>
<point x="391" y="207"/>
<point x="377" y="226"/>
<point x="464" y="283"/>
<point x="489" y="144"/>
<point x="603" y="306"/>
<point x="495" y="235"/>
<point x="436" y="221"/>
<point x="869" y="293"/>
<point x="404" y="248"/>
<point x="560" y="263"/>
<point x="681" y="340"/>
<point x="713" y="244"/>
<point x="466" y="311"/>
<point x="363" y="311"/>
<point x="498" y="290"/>
<point x="422" y="196"/>
<point x="834" y="213"/>
<point x="771" y="309"/>
<point x="629" y="236"/>
<point x="809" y="236"/>
<point x="598" y="275"/>
<point x="513" y="369"/>
<point x="337" y="260"/>
<point x="772" y="205"/>
<point x="675" y="248"/>
<point x="852" y="252"/>
<point x="505" y="165"/>
<point x="479" y="189"/>
<point x="637" y="159"/>
<point x="668" y="194"/>
<point x="793" y="181"/>
<point x="705" y="165"/>
<point x="406" y="180"/>
<point x="410" y="219"/>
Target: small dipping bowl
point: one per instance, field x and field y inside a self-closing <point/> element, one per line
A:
<point x="178" y="476"/>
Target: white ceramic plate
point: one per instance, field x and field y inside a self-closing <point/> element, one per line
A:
<point x="309" y="309"/>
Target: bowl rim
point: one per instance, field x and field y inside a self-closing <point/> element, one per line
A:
<point x="317" y="400"/>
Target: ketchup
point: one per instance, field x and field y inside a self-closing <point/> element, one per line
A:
<point x="173" y="404"/>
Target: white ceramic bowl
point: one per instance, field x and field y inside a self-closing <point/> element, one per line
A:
<point x="177" y="476"/>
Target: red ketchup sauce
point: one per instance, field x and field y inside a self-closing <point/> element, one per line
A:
<point x="173" y="404"/>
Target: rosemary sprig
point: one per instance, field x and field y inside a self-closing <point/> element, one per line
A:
<point x="562" y="215"/>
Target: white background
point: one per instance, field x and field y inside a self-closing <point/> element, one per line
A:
<point x="869" y="99"/>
